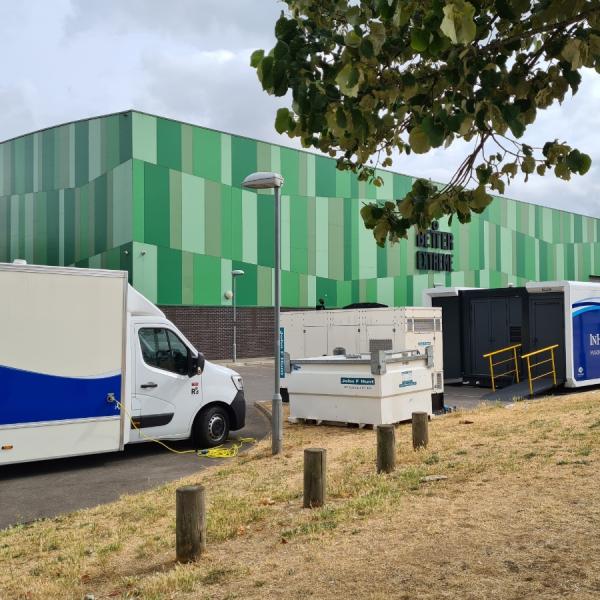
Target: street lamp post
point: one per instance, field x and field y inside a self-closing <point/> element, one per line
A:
<point x="234" y="275"/>
<point x="261" y="181"/>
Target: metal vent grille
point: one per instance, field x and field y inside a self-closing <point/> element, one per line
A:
<point x="376" y="345"/>
<point x="438" y="381"/>
<point x="514" y="333"/>
<point x="423" y="325"/>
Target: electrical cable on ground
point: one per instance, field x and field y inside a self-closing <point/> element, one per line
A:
<point x="220" y="451"/>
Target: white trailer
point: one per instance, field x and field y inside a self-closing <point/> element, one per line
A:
<point x="87" y="365"/>
<point x="315" y="333"/>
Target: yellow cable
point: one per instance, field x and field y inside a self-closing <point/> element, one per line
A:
<point x="217" y="452"/>
<point x="223" y="452"/>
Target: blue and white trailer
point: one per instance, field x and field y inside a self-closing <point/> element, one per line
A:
<point x="582" y="328"/>
<point x="88" y="365"/>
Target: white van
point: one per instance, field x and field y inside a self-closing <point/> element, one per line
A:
<point x="88" y="364"/>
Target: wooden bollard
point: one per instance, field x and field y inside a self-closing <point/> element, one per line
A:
<point x="386" y="448"/>
<point x="420" y="430"/>
<point x="315" y="473"/>
<point x="190" y="523"/>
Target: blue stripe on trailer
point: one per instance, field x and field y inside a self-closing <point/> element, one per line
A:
<point x="587" y="308"/>
<point x="586" y="343"/>
<point x="28" y="397"/>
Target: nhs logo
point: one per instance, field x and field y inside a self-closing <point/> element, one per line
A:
<point x="594" y="339"/>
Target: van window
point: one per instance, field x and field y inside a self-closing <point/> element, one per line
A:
<point x="162" y="349"/>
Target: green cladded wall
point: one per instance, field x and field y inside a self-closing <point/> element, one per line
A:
<point x="163" y="200"/>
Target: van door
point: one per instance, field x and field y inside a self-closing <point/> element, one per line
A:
<point x="164" y="397"/>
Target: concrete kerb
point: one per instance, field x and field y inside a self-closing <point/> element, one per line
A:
<point x="264" y="406"/>
<point x="264" y="361"/>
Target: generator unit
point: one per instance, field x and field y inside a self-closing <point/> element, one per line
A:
<point x="314" y="333"/>
<point x="364" y="389"/>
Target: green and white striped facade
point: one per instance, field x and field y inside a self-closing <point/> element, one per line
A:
<point x="163" y="199"/>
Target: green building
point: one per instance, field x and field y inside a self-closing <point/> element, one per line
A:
<point x="163" y="199"/>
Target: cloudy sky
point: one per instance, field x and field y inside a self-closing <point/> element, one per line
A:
<point x="189" y="60"/>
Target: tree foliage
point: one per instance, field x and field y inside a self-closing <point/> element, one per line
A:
<point x="374" y="76"/>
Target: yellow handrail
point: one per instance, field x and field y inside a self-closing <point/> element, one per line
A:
<point x="552" y="372"/>
<point x="513" y="359"/>
<point x="501" y="350"/>
<point x="540" y="350"/>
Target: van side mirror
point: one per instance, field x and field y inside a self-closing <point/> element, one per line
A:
<point x="195" y="364"/>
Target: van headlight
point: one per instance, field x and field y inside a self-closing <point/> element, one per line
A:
<point x="238" y="382"/>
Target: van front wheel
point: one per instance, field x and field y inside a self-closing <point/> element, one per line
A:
<point x="211" y="427"/>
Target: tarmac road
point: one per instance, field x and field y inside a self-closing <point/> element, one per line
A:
<point x="45" y="489"/>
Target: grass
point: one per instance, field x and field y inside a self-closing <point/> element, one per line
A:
<point x="515" y="518"/>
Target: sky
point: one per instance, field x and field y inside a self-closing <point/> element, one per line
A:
<point x="189" y="60"/>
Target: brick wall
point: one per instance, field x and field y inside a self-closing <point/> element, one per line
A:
<point x="210" y="329"/>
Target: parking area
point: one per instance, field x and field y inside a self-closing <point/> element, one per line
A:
<point x="48" y="488"/>
<point x="45" y="489"/>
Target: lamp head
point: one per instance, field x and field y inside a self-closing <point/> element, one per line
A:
<point x="237" y="272"/>
<point x="263" y="180"/>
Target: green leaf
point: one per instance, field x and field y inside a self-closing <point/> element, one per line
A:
<point x="528" y="165"/>
<point x="561" y="170"/>
<point x="483" y="173"/>
<point x="480" y="198"/>
<point x="510" y="169"/>
<point x="265" y="73"/>
<point x="256" y="57"/>
<point x="282" y="120"/>
<point x="585" y="164"/>
<point x="347" y="79"/>
<point x="458" y="23"/>
<point x="366" y="48"/>
<point x="368" y="216"/>
<point x="419" y="140"/>
<point x="419" y="39"/>
<point x="377" y="35"/>
<point x="572" y="52"/>
<point x="281" y="50"/>
<point x="352" y="39"/>
<point x="578" y="162"/>
<point x="498" y="123"/>
<point x="517" y="128"/>
<point x="380" y="231"/>
<point x="280" y="78"/>
<point x="285" y="28"/>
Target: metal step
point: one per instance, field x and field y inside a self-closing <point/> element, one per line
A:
<point x="520" y="391"/>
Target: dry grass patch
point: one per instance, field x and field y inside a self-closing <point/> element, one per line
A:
<point x="517" y="517"/>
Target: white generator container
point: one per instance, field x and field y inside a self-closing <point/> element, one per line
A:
<point x="368" y="389"/>
<point x="314" y="333"/>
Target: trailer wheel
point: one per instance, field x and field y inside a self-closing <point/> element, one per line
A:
<point x="211" y="427"/>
